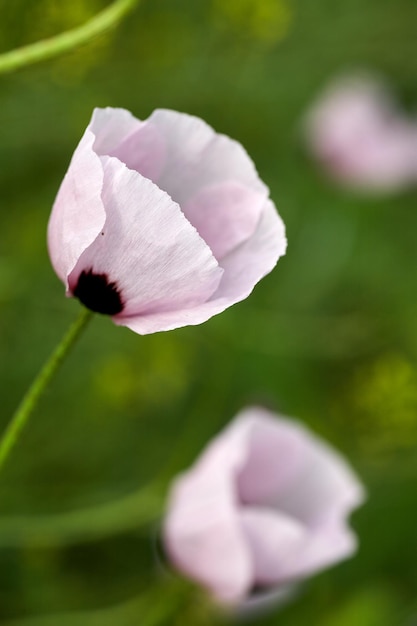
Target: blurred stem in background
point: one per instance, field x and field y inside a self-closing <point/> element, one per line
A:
<point x="133" y="511"/>
<point x="59" y="44"/>
<point x="39" y="385"/>
<point x="151" y="608"/>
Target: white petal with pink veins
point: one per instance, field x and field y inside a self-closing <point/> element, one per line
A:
<point x="225" y="215"/>
<point x="251" y="261"/>
<point x="121" y="242"/>
<point x="143" y="151"/>
<point x="197" y="157"/>
<point x="243" y="268"/>
<point x="111" y="127"/>
<point x="147" y="247"/>
<point x="78" y="213"/>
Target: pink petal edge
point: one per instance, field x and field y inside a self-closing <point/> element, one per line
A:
<point x="243" y="269"/>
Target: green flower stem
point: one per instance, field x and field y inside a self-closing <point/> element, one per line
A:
<point x="154" y="607"/>
<point x="133" y="511"/>
<point x="70" y="39"/>
<point x="39" y="385"/>
<point x="130" y="512"/>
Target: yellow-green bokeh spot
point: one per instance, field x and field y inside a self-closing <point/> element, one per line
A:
<point x="266" y="21"/>
<point x="373" y="606"/>
<point x="383" y="397"/>
<point x="156" y="375"/>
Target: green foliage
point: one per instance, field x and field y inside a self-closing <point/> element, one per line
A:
<point x="330" y="336"/>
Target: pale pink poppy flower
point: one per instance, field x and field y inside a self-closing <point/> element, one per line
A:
<point x="161" y="223"/>
<point x="265" y="505"/>
<point x="361" y="138"/>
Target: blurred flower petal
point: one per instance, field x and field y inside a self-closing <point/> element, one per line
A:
<point x="360" y="137"/>
<point x="268" y="493"/>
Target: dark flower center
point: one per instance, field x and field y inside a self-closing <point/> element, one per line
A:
<point x="97" y="293"/>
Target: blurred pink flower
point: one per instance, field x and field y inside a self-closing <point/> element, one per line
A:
<point x="361" y="138"/>
<point x="266" y="504"/>
<point x="161" y="223"/>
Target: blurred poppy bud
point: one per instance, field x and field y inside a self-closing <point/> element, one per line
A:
<point x="360" y="137"/>
<point x="265" y="505"/>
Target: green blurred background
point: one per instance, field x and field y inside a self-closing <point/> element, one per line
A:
<point x="329" y="337"/>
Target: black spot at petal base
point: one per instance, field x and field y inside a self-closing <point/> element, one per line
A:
<point x="98" y="294"/>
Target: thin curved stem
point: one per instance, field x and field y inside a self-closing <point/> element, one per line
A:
<point x="70" y="39"/>
<point x="130" y="512"/>
<point x="39" y="385"/>
<point x="135" y="510"/>
<point x="151" y="608"/>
